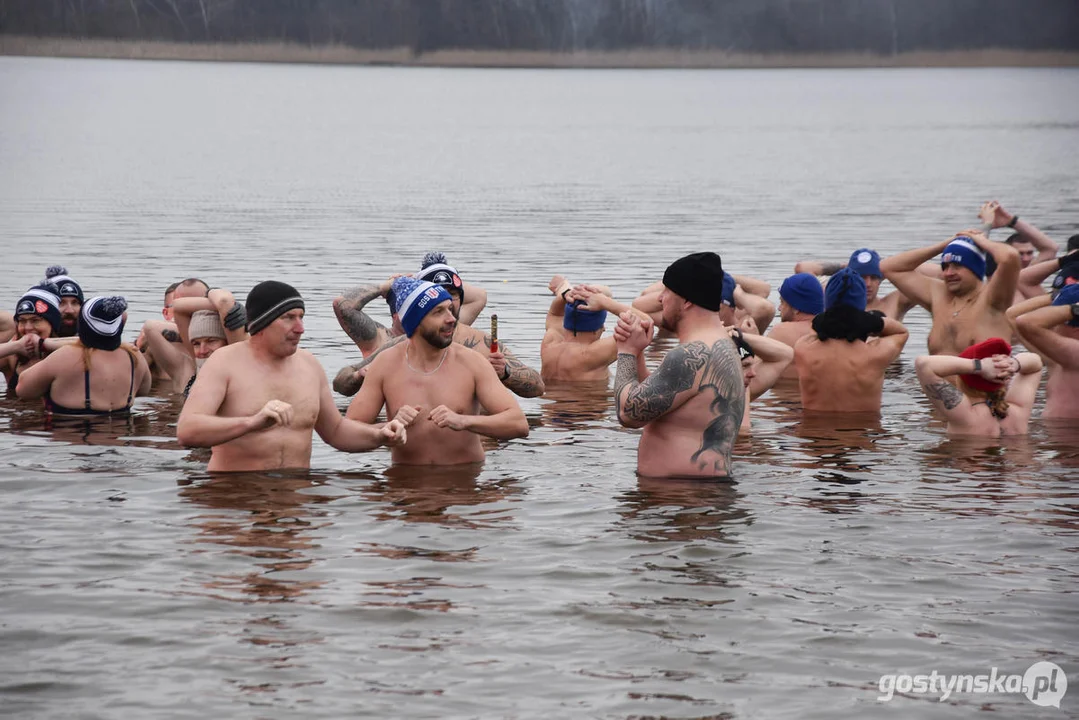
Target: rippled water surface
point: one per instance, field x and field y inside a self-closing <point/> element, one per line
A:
<point x="553" y="583"/>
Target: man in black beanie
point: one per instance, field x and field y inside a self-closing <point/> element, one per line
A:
<point x="257" y="402"/>
<point x="691" y="406"/>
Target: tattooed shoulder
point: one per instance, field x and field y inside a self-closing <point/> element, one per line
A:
<point x="945" y="393"/>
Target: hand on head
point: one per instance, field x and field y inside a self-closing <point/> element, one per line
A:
<point x="555" y="286"/>
<point x="999" y="368"/>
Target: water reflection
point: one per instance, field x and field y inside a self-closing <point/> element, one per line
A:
<point x="269" y="517"/>
<point x="576" y="406"/>
<point x="682" y="510"/>
<point x="430" y="494"/>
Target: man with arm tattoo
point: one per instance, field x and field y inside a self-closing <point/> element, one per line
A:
<point x="368" y="334"/>
<point x="513" y="374"/>
<point x="866" y="262"/>
<point x="692" y="405"/>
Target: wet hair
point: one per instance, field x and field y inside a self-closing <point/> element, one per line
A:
<point x="170" y="290"/>
<point x="191" y="282"/>
<point x="996" y="400"/>
<point x="1073" y="243"/>
<point x="1016" y="238"/>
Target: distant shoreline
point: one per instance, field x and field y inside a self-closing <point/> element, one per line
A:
<point x="11" y="45"/>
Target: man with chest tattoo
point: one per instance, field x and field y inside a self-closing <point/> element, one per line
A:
<point x="966" y="308"/>
<point x="692" y="405"/>
<point x="435" y="386"/>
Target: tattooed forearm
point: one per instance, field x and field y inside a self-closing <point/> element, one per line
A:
<point x="523" y="380"/>
<point x="349" y="380"/>
<point x="171" y="335"/>
<point x="650" y="399"/>
<point x="945" y="393"/>
<point x="358" y="324"/>
<point x="626" y="373"/>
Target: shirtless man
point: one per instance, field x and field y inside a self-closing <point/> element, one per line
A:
<point x="573" y="348"/>
<point x="1066" y="266"/>
<point x="742" y="296"/>
<point x="800" y="299"/>
<point x="763" y="362"/>
<point x="71" y="299"/>
<point x="1053" y="332"/>
<point x="161" y="340"/>
<point x="965" y="309"/>
<point x="369" y="334"/>
<point x="840" y="367"/>
<point x="436" y="386"/>
<point x="520" y="379"/>
<point x="692" y="405"/>
<point x="256" y="403"/>
<point x="866" y="262"/>
<point x="208" y="324"/>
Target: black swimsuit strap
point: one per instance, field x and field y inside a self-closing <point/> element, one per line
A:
<point x="131" y="390"/>
<point x="86" y="382"/>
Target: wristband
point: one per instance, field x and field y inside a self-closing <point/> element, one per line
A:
<point x="41" y="347"/>
<point x="506" y="374"/>
<point x="1018" y="365"/>
<point x="1075" y="311"/>
<point x="977" y="365"/>
<point x="235" y="318"/>
<point x="1013" y="221"/>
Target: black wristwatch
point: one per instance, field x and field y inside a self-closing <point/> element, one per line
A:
<point x="506" y="376"/>
<point x="1014" y="220"/>
<point x="1075" y="311"/>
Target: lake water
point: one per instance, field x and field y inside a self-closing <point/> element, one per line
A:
<point x="554" y="583"/>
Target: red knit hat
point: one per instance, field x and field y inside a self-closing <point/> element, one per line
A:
<point x="980" y="351"/>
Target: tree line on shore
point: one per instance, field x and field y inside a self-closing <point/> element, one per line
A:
<point x="885" y="27"/>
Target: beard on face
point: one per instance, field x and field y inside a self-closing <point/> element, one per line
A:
<point x="435" y="338"/>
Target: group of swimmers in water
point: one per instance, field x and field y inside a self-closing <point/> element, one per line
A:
<point x="254" y="397"/>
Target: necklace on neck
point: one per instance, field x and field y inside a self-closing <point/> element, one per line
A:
<point x="425" y="372"/>
<point x="971" y="301"/>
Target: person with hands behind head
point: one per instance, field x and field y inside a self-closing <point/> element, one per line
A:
<point x="1053" y="332"/>
<point x="692" y="405"/>
<point x="1026" y="240"/>
<point x="995" y="394"/>
<point x="257" y="403"/>
<point x="966" y="308"/>
<point x="436" y="387"/>
<point x="841" y="363"/>
<point x="763" y="361"/>
<point x="368" y="334"/>
<point x="573" y="348"/>
<point x="207" y="324"/>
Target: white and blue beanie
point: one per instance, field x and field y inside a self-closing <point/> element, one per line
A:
<point x="963" y="251"/>
<point x="415" y="298"/>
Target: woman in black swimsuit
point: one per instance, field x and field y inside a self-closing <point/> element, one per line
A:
<point x="37" y="318"/>
<point x="98" y="375"/>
